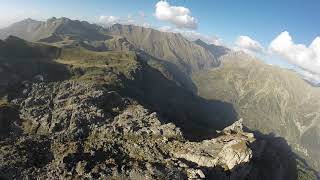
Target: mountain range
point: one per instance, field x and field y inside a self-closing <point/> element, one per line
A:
<point x="70" y="80"/>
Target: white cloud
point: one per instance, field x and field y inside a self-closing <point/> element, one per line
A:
<point x="177" y="15"/>
<point x="307" y="58"/>
<point x="193" y="35"/>
<point x="248" y="45"/>
<point x="166" y="29"/>
<point x="146" y="25"/>
<point x="109" y="19"/>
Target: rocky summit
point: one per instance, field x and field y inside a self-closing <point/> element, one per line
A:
<point x="77" y="130"/>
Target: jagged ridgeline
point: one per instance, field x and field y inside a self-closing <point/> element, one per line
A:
<point x="82" y="101"/>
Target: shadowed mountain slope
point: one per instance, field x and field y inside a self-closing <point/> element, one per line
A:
<point x="16" y="47"/>
<point x="21" y="61"/>
<point x="270" y="99"/>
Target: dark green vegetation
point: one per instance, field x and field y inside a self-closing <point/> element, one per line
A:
<point x="164" y="73"/>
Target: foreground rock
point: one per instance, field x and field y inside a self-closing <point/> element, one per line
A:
<point x="74" y="130"/>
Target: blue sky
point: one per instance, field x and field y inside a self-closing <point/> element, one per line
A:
<point x="249" y="24"/>
<point x="261" y="20"/>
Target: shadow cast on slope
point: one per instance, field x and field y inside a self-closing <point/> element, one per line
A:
<point x="277" y="156"/>
<point x="169" y="70"/>
<point x="15" y="71"/>
<point x="198" y="118"/>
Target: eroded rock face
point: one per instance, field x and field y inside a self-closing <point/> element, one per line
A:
<point x="69" y="107"/>
<point x="229" y="150"/>
<point x="75" y="130"/>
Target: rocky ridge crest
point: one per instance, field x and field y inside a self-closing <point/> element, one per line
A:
<point x="73" y="129"/>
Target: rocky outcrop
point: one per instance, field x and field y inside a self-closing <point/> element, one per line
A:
<point x="80" y="130"/>
<point x="228" y="150"/>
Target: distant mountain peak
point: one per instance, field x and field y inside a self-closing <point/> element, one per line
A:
<point x="167" y="46"/>
<point x="52" y="19"/>
<point x="215" y="50"/>
<point x="29" y="19"/>
<point x="32" y="30"/>
<point x="12" y="38"/>
<point x="26" y="21"/>
<point x="200" y="41"/>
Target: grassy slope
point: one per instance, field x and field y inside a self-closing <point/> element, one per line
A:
<point x="100" y="67"/>
<point x="133" y="77"/>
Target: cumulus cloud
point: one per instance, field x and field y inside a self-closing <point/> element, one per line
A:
<point x="177" y="15"/>
<point x="307" y="58"/>
<point x="247" y="44"/>
<point x="137" y="18"/>
<point x="109" y="19"/>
